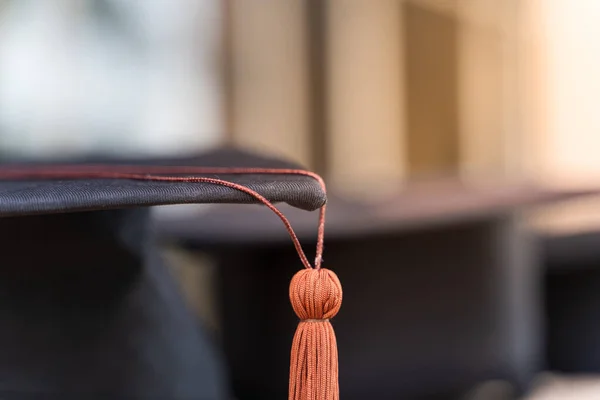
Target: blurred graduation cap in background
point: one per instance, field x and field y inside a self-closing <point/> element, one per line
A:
<point x="446" y="284"/>
<point x="88" y="309"/>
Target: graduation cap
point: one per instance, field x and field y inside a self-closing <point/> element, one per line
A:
<point x="87" y="308"/>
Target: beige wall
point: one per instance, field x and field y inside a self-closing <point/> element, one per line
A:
<point x="268" y="107"/>
<point x="365" y="71"/>
<point x="487" y="78"/>
<point x="438" y="84"/>
<point x="573" y="105"/>
<point x="432" y="90"/>
<point x="412" y="87"/>
<point x="564" y="117"/>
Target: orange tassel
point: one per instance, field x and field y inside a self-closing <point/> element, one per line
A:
<point x="316" y="296"/>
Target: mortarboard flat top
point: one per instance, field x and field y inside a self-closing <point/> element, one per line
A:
<point x="20" y="196"/>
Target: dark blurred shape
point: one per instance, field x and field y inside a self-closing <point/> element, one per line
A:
<point x="572" y="307"/>
<point x="89" y="311"/>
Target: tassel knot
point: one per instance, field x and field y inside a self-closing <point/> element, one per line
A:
<point x="316" y="297"/>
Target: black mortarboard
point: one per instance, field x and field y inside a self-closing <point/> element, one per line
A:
<point x="87" y="309"/>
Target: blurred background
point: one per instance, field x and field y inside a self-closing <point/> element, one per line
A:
<point x="368" y="95"/>
<point x="373" y="95"/>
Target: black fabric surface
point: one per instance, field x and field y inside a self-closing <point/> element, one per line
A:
<point x="51" y="196"/>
